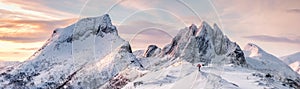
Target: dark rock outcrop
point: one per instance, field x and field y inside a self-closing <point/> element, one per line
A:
<point x="152" y="50"/>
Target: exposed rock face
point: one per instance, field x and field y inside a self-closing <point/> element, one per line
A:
<point x="106" y="26"/>
<point x="152" y="50"/>
<point x="237" y="56"/>
<point x="204" y="44"/>
<point x="126" y="47"/>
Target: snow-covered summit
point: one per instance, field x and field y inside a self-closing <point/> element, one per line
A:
<point x="204" y="44"/>
<point x="68" y="51"/>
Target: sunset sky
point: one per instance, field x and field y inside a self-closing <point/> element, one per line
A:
<point x="271" y="24"/>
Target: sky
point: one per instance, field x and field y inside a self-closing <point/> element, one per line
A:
<point x="271" y="24"/>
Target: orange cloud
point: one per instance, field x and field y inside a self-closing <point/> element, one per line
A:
<point x="20" y="38"/>
<point x="27" y="48"/>
<point x="25" y="25"/>
<point x="27" y="30"/>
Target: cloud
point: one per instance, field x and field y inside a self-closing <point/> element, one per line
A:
<point x="2" y="11"/>
<point x="23" y="39"/>
<point x="242" y="18"/>
<point x="36" y="8"/>
<point x="45" y="24"/>
<point x="143" y="33"/>
<point x="295" y="10"/>
<point x="186" y="12"/>
<point x="7" y="14"/>
<point x="7" y="26"/>
<point x="26" y="31"/>
<point x="134" y="27"/>
<point x="138" y="4"/>
<point x="40" y="22"/>
<point x="267" y="38"/>
<point x="28" y="48"/>
<point x="14" y="55"/>
<point x="150" y="36"/>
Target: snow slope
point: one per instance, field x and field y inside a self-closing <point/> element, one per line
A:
<point x="184" y="75"/>
<point x="180" y="75"/>
<point x="293" y="61"/>
<point x="264" y="62"/>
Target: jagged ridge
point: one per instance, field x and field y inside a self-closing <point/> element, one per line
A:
<point x="203" y="44"/>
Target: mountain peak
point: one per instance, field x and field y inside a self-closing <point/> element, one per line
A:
<point x="106" y="19"/>
<point x="253" y="50"/>
<point x="99" y="26"/>
<point x="203" y="44"/>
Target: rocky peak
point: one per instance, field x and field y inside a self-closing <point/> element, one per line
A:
<point x="125" y="48"/>
<point x="99" y="26"/>
<point x="203" y="44"/>
<point x="152" y="50"/>
<point x="194" y="29"/>
<point x="106" y="26"/>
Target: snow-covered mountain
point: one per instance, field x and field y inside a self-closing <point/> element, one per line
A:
<point x="262" y="61"/>
<point x="89" y="54"/>
<point x="293" y="61"/>
<point x="174" y="66"/>
<point x="88" y="46"/>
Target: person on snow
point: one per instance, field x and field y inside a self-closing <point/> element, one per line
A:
<point x="199" y="66"/>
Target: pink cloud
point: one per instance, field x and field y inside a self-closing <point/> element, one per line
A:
<point x="36" y="7"/>
<point x="139" y="4"/>
<point x="262" y="19"/>
<point x="267" y="38"/>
